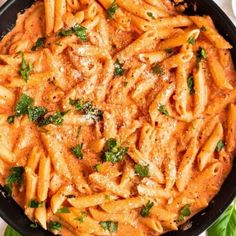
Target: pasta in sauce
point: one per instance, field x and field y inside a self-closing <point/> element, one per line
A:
<point x="116" y="117"/>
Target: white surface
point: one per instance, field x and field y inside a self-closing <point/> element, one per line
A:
<point x="226" y="5"/>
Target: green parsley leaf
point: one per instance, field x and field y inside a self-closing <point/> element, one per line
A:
<point x="34" y="204"/>
<point x="190" y="82"/>
<point x="146" y="210"/>
<point x="39" y="43"/>
<point x="56" y="119"/>
<point x="184" y="211"/>
<point x="203" y="29"/>
<point x="22" y="105"/>
<point x="9" y="231"/>
<point x="77" y="151"/>
<point x="219" y="145"/>
<point x="98" y="167"/>
<point x="111" y="226"/>
<point x="163" y="110"/>
<point x="81" y="217"/>
<point x="36" y="113"/>
<point x="225" y="225"/>
<point x="201" y="54"/>
<point x="150" y="14"/>
<point x="191" y="40"/>
<point x="15" y="176"/>
<point x="8" y="189"/>
<point x="34" y="225"/>
<point x="10" y="119"/>
<point x="157" y="69"/>
<point x="25" y="69"/>
<point x="142" y="171"/>
<point x="64" y="32"/>
<point x="87" y="108"/>
<point x="80" y="32"/>
<point x="63" y="210"/>
<point x="113" y="152"/>
<point x="119" y="71"/>
<point x="53" y="225"/>
<point x="112" y="10"/>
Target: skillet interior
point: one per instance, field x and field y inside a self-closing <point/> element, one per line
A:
<point x="14" y="215"/>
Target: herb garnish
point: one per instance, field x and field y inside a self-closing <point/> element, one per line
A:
<point x="150" y="14"/>
<point x="112" y="10"/>
<point x="53" y="225"/>
<point x="219" y="145"/>
<point x="119" y="71"/>
<point x="39" y="43"/>
<point x="87" y="108"/>
<point x="157" y="69"/>
<point x="77" y="151"/>
<point x="190" y="82"/>
<point x="191" y="40"/>
<point x="77" y="29"/>
<point x="35" y="113"/>
<point x="184" y="211"/>
<point x="142" y="171"/>
<point x="203" y="29"/>
<point x="113" y="152"/>
<point x="146" y="209"/>
<point x="34" y="204"/>
<point x="25" y="69"/>
<point x="163" y="110"/>
<point x="63" y="210"/>
<point x="111" y="226"/>
<point x="81" y="217"/>
<point x="201" y="54"/>
<point x="56" y="119"/>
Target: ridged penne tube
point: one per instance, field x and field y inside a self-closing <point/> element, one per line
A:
<point x="60" y="196"/>
<point x="142" y="88"/>
<point x="231" y="128"/>
<point x="152" y="223"/>
<point x="211" y="34"/>
<point x="153" y="57"/>
<point x="123" y="205"/>
<point x="91" y="11"/>
<point x="41" y="216"/>
<point x="209" y="147"/>
<point x="185" y="169"/>
<point x="179" y="40"/>
<point x="175" y="60"/>
<point x="218" y="72"/>
<point x="145" y="11"/>
<point x="143" y="42"/>
<point x="120" y="217"/>
<point x="140" y="23"/>
<point x="34" y="158"/>
<point x="161" y="99"/>
<point x="60" y="10"/>
<point x="163" y="214"/>
<point x="105" y="183"/>
<point x="201" y="91"/>
<point x="91" y="200"/>
<point x="49" y="15"/>
<point x="43" y="178"/>
<point x="110" y="127"/>
<point x="6" y="155"/>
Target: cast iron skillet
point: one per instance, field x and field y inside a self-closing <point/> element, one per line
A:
<point x="14" y="215"/>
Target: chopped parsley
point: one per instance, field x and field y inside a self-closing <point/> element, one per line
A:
<point x="81" y="217"/>
<point x="35" y="113"/>
<point x="203" y="28"/>
<point x="63" y="210"/>
<point x="169" y="50"/>
<point x="157" y="69"/>
<point x="78" y="30"/>
<point x="34" y="204"/>
<point x="190" y="83"/>
<point x="119" y="71"/>
<point x="219" y="145"/>
<point x="201" y="54"/>
<point x="11" y="119"/>
<point x="77" y="151"/>
<point x="87" y="108"/>
<point x="34" y="225"/>
<point x="39" y="44"/>
<point x="8" y="189"/>
<point x="25" y="69"/>
<point x="98" y="167"/>
<point x="163" y="110"/>
<point x="142" y="171"/>
<point x="54" y="225"/>
<point x="150" y="14"/>
<point x="146" y="209"/>
<point x="184" y="211"/>
<point x="112" y="10"/>
<point x="113" y="152"/>
<point x="22" y="105"/>
<point x="16" y="175"/>
<point x="191" y="40"/>
<point x="111" y="226"/>
<point x="56" y="119"/>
